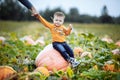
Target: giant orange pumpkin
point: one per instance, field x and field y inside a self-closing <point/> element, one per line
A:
<point x="5" y="72"/>
<point x="51" y="59"/>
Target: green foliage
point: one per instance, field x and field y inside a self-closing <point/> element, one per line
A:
<point x="98" y="75"/>
<point x="14" y="53"/>
<point x="70" y="72"/>
<point x="101" y="52"/>
<point x="28" y="76"/>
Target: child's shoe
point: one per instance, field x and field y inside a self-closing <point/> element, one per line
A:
<point x="74" y="62"/>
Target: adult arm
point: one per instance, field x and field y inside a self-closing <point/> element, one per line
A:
<point x="26" y="3"/>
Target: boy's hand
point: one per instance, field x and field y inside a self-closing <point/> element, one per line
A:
<point x="34" y="12"/>
<point x="70" y="26"/>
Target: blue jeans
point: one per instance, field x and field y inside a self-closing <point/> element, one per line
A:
<point x="64" y="50"/>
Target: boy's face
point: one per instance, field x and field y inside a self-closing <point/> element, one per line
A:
<point x="58" y="20"/>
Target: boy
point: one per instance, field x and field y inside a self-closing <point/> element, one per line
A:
<point x="59" y="32"/>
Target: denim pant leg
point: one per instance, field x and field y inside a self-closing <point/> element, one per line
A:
<point x="60" y="48"/>
<point x="68" y="49"/>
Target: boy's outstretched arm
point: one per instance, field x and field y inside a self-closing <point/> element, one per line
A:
<point x="40" y="18"/>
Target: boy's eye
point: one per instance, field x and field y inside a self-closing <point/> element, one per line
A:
<point x="60" y="20"/>
<point x="56" y="20"/>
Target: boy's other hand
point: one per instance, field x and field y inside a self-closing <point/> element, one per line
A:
<point x="70" y="26"/>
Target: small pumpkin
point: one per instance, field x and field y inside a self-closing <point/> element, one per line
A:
<point x="51" y="59"/>
<point x="77" y="51"/>
<point x="6" y="72"/>
<point x="107" y="39"/>
<point x="86" y="54"/>
<point x="118" y="43"/>
<point x="43" y="70"/>
<point x="116" y="51"/>
<point x="109" y="67"/>
<point x="28" y="40"/>
<point x="2" y="39"/>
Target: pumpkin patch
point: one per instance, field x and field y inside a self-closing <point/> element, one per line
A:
<point x="99" y="60"/>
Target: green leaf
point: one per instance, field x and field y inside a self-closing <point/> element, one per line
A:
<point x="70" y="72"/>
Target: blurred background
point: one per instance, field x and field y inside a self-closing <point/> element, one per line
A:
<point x="82" y="11"/>
<point x="101" y="17"/>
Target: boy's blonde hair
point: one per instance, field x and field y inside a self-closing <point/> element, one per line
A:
<point x="61" y="14"/>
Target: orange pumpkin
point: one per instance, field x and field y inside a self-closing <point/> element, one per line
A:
<point x="109" y="67"/>
<point x="43" y="70"/>
<point x="117" y="43"/>
<point x="86" y="54"/>
<point x="51" y="58"/>
<point x="77" y="51"/>
<point x="2" y="39"/>
<point x="5" y="72"/>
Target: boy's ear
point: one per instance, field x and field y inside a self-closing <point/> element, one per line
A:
<point x="51" y="18"/>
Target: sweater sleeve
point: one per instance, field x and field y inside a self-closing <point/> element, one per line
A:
<point x="43" y="21"/>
